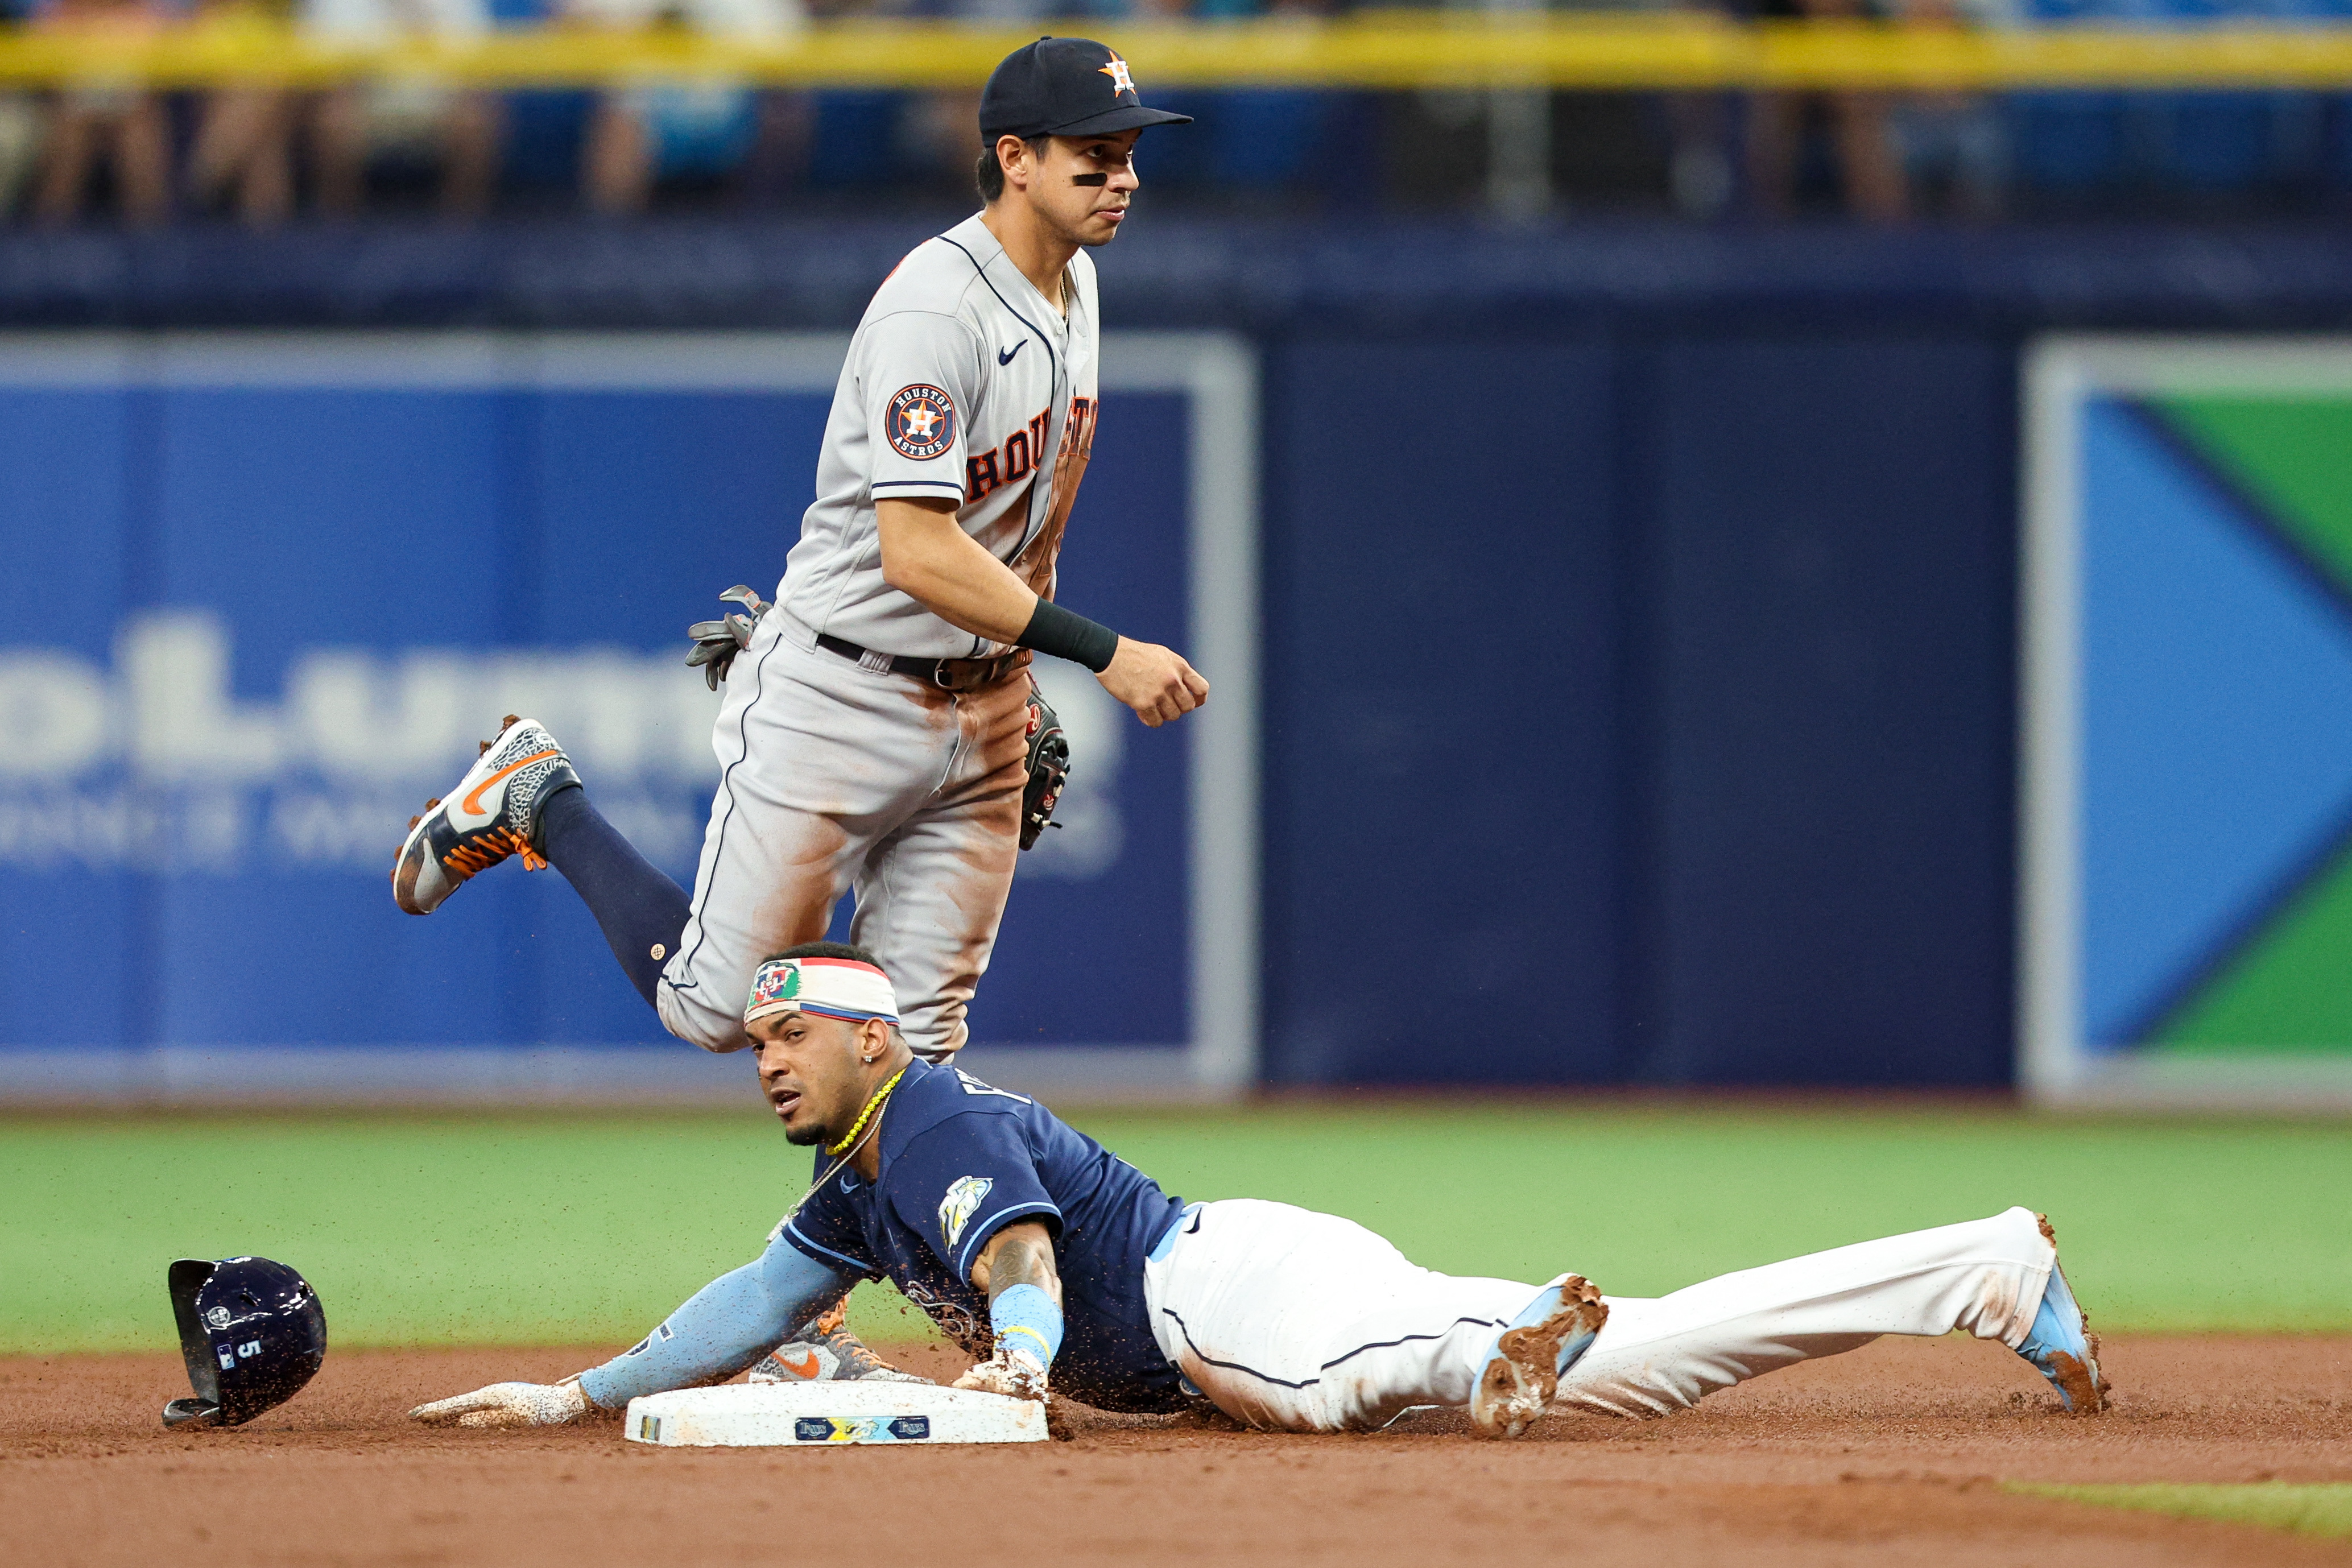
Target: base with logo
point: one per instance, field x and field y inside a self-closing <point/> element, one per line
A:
<point x="812" y="1414"/>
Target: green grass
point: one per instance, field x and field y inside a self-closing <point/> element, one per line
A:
<point x="542" y="1228"/>
<point x="2323" y="1509"/>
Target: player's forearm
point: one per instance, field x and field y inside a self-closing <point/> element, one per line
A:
<point x="1021" y="1254"/>
<point x="1025" y="1308"/>
<point x="722" y="1329"/>
<point x="927" y="556"/>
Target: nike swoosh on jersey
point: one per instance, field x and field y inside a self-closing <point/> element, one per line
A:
<point x="1004" y="356"/>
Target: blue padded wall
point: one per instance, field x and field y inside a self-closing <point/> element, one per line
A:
<point x="1827" y="683"/>
<point x="1440" y="725"/>
<point x="1639" y="709"/>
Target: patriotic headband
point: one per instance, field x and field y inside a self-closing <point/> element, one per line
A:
<point x="830" y="988"/>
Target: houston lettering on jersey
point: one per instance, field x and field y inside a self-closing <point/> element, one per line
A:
<point x="1035" y="566"/>
<point x="1014" y="461"/>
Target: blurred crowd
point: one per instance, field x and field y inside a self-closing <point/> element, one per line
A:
<point x="102" y="150"/>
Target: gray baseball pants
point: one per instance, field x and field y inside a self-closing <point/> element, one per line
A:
<point x="834" y="777"/>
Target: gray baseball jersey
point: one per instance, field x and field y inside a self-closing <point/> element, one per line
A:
<point x="963" y="384"/>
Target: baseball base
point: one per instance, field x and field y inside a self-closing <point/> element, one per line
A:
<point x="787" y="1415"/>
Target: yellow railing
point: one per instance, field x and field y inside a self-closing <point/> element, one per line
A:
<point x="1388" y="49"/>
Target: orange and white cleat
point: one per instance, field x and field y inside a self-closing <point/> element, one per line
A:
<point x="828" y="1352"/>
<point x="492" y="813"/>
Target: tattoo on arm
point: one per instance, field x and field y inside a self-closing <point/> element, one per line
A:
<point x="1021" y="1254"/>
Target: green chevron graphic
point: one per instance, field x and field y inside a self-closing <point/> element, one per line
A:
<point x="2292" y="455"/>
<point x="2289" y="990"/>
<point x="2289" y="986"/>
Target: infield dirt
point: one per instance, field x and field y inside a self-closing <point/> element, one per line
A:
<point x="1892" y="1454"/>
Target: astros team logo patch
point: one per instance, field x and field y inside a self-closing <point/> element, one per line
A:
<point x="1120" y="81"/>
<point x="921" y="422"/>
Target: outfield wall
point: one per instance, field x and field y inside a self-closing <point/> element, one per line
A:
<point x="270" y="587"/>
<point x="1638" y="614"/>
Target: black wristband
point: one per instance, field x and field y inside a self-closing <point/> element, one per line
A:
<point x="1067" y="634"/>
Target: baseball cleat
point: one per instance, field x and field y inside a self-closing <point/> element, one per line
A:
<point x="492" y="813"/>
<point x="2061" y="1344"/>
<point x="830" y="1354"/>
<point x="1533" y="1353"/>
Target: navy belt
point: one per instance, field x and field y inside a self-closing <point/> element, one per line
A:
<point x="948" y="675"/>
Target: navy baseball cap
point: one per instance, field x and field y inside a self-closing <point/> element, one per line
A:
<point x="1064" y="86"/>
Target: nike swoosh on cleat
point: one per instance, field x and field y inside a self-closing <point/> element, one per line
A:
<point x="1004" y="356"/>
<point x="807" y="1366"/>
<point x="471" y="805"/>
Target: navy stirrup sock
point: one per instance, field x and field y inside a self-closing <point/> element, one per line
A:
<point x="642" y="911"/>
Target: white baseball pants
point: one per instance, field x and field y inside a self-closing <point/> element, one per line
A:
<point x="1305" y="1322"/>
<point x="833" y="775"/>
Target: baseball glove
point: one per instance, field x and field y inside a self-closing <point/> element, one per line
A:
<point x="1049" y="766"/>
<point x="716" y="643"/>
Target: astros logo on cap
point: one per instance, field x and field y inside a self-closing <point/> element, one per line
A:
<point x="1119" y="80"/>
<point x="921" y="423"/>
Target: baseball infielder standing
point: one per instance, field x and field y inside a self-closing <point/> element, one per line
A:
<point x="877" y="725"/>
<point x="1046" y="1256"/>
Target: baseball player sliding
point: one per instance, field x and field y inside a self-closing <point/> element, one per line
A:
<point x="880" y="727"/>
<point x="1050" y="1260"/>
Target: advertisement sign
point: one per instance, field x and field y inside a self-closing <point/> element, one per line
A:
<point x="2187" y="931"/>
<point x="264" y="593"/>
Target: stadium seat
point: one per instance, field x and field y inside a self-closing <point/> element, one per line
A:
<point x="855" y="140"/>
<point x="2069" y="144"/>
<point x="545" y="130"/>
<point x="1262" y="141"/>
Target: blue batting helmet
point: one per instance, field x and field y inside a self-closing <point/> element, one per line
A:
<point x="253" y="1335"/>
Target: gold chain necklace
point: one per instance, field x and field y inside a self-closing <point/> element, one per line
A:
<point x="872" y="1105"/>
